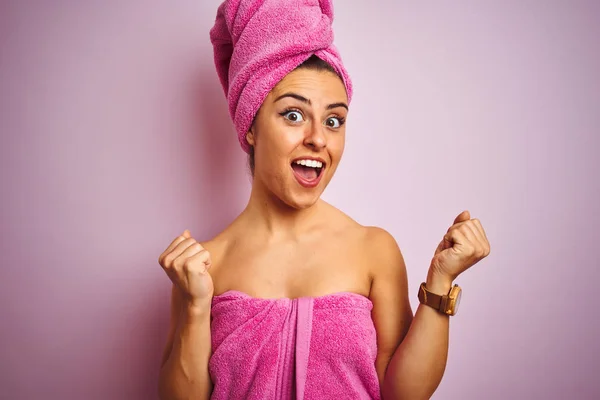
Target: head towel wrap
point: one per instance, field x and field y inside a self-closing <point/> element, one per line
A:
<point x="258" y="42"/>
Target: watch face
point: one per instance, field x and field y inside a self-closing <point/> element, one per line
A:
<point x="455" y="295"/>
<point x="457" y="303"/>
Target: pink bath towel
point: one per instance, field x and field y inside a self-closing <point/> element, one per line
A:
<point x="258" y="42"/>
<point x="306" y="348"/>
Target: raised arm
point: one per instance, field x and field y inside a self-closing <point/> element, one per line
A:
<point x="184" y="370"/>
<point x="412" y="356"/>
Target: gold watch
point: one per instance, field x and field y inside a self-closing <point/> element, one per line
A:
<point x="446" y="304"/>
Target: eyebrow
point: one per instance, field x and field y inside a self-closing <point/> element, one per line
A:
<point x="307" y="101"/>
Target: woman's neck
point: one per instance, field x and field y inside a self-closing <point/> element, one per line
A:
<point x="269" y="215"/>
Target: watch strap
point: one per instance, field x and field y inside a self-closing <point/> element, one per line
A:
<point x="430" y="299"/>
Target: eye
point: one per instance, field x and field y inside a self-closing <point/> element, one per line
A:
<point x="293" y="116"/>
<point x="334" y="122"/>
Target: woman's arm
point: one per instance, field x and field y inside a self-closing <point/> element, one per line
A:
<point x="184" y="372"/>
<point x="412" y="351"/>
<point x="417" y="366"/>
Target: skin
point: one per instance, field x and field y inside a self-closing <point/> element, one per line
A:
<point x="288" y="242"/>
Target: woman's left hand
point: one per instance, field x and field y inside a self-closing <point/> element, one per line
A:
<point x="463" y="246"/>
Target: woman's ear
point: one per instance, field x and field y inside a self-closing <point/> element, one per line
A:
<point x="250" y="139"/>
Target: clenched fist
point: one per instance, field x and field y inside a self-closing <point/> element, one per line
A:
<point x="187" y="263"/>
<point x="464" y="245"/>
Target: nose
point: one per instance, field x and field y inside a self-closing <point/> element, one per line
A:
<point x="315" y="137"/>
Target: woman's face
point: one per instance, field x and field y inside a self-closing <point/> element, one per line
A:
<point x="298" y="136"/>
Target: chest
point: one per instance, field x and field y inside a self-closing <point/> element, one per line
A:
<point x="293" y="269"/>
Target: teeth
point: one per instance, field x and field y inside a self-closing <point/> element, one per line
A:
<point x="310" y="163"/>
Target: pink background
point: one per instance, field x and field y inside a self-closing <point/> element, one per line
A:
<point x="115" y="138"/>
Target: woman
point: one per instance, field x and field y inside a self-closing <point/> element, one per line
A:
<point x="305" y="302"/>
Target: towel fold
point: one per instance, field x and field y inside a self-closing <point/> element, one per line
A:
<point x="305" y="348"/>
<point x="257" y="43"/>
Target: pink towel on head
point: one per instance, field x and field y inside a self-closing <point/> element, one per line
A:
<point x="258" y="42"/>
<point x="306" y="348"/>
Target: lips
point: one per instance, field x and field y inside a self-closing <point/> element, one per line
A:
<point x="308" y="171"/>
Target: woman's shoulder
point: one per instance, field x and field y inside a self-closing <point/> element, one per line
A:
<point x="218" y="245"/>
<point x="373" y="236"/>
<point x="380" y="252"/>
<point x="381" y="246"/>
<point x="377" y="243"/>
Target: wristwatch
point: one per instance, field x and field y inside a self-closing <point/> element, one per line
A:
<point x="446" y="304"/>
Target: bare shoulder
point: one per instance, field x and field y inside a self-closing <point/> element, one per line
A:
<point x="379" y="247"/>
<point x="380" y="238"/>
<point x="341" y="222"/>
<point x="382" y="245"/>
<point x="213" y="245"/>
<point x="217" y="247"/>
<point x="383" y="255"/>
<point x="375" y="239"/>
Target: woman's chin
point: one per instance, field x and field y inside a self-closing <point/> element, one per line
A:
<point x="297" y="196"/>
<point x="302" y="204"/>
<point x="301" y="201"/>
<point x="302" y="198"/>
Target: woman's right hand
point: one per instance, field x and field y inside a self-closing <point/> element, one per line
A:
<point x="187" y="263"/>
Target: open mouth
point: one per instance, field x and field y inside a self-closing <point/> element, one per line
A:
<point x="308" y="171"/>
